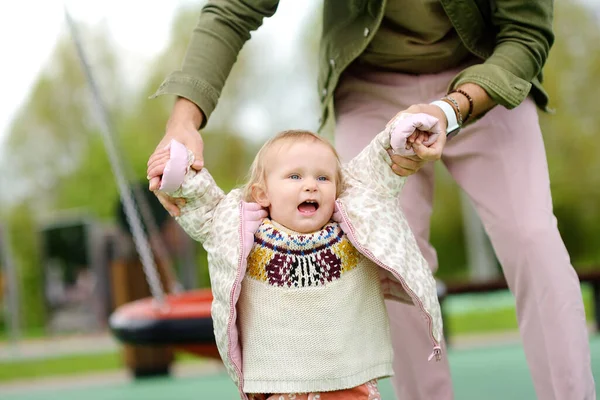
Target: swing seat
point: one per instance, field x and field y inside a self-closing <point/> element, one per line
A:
<point x="184" y="322"/>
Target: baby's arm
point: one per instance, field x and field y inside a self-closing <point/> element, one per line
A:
<point x="372" y="167"/>
<point x="198" y="188"/>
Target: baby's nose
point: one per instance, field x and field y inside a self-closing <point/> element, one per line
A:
<point x="310" y="185"/>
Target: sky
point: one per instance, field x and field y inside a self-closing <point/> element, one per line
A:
<point x="29" y="30"/>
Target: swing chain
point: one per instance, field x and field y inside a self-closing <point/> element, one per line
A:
<point x="131" y="213"/>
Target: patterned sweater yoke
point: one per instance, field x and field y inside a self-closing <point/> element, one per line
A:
<point x="284" y="258"/>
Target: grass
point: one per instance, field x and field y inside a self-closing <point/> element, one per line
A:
<point x="487" y="313"/>
<point x="68" y="365"/>
<point x="36" y="333"/>
<point x="467" y="314"/>
<point x="64" y="365"/>
<point x="482" y="322"/>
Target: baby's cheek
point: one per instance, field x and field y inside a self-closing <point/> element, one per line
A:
<point x="331" y="206"/>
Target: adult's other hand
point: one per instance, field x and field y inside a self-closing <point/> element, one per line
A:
<point x="182" y="126"/>
<point x="405" y="166"/>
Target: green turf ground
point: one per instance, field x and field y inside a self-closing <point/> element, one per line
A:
<point x="487" y="373"/>
<point x="465" y="314"/>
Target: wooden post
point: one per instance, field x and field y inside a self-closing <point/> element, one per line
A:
<point x="129" y="284"/>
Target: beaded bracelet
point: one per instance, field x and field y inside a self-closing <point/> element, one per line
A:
<point x="454" y="105"/>
<point x="468" y="98"/>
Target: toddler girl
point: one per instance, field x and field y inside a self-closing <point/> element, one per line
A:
<point x="301" y="260"/>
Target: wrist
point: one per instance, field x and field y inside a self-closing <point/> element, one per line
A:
<point x="452" y="124"/>
<point x="478" y="104"/>
<point x="185" y="114"/>
<point x="464" y="102"/>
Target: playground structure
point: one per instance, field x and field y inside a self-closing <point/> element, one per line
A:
<point x="82" y="259"/>
<point x="166" y="319"/>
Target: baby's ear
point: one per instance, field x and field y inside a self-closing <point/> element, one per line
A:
<point x="259" y="195"/>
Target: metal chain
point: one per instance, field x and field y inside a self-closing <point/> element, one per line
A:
<point x="157" y="243"/>
<point x="131" y="213"/>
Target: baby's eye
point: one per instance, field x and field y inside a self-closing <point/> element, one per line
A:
<point x="322" y="178"/>
<point x="294" y="176"/>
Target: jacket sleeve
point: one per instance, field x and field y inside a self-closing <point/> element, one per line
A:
<point x="223" y="28"/>
<point x="524" y="37"/>
<point x="372" y="168"/>
<point x="202" y="197"/>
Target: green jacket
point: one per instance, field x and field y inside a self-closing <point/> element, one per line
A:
<point x="511" y="37"/>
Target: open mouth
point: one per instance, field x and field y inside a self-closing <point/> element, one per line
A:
<point x="308" y="207"/>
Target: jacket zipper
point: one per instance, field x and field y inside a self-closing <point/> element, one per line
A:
<point x="238" y="371"/>
<point x="437" y="349"/>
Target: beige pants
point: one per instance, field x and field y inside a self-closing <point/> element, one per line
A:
<point x="500" y="162"/>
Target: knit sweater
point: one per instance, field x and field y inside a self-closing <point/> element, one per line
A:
<point x="312" y="316"/>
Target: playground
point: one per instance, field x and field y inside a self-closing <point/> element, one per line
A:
<point x="488" y="365"/>
<point x="104" y="297"/>
<point x="493" y="372"/>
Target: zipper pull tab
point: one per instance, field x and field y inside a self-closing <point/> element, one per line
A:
<point x="437" y="353"/>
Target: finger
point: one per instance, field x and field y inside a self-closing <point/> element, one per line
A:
<point x="410" y="140"/>
<point x="156" y="170"/>
<point x="436" y="148"/>
<point x="154" y="183"/>
<point x="427" y="153"/>
<point x="422" y="137"/>
<point x="405" y="162"/>
<point x="416" y="135"/>
<point x="158" y="161"/>
<point x="412" y="166"/>
<point x="402" y="171"/>
<point x="415" y="158"/>
<point x="168" y="203"/>
<point x="196" y="145"/>
<point x="198" y="163"/>
<point x="158" y="154"/>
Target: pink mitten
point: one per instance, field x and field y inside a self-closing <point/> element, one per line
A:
<point x="405" y="124"/>
<point x="176" y="168"/>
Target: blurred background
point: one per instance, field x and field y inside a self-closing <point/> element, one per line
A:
<point x="62" y="225"/>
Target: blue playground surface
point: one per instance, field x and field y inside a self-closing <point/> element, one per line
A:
<point x="489" y="373"/>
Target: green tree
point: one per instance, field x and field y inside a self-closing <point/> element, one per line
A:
<point x="21" y="225"/>
<point x="571" y="79"/>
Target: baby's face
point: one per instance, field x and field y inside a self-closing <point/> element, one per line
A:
<point x="300" y="184"/>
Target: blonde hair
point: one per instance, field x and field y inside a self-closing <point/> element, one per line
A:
<point x="258" y="168"/>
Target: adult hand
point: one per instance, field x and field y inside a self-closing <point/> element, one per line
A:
<point x="405" y="166"/>
<point x="171" y="204"/>
<point x="183" y="126"/>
